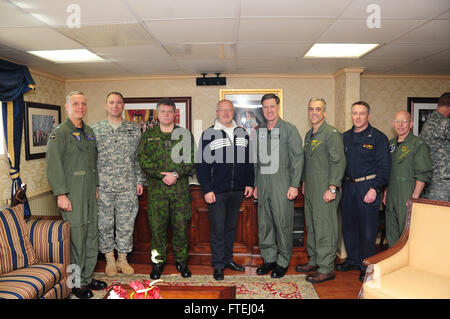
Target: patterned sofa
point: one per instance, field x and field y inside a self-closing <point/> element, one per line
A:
<point x="34" y="256"/>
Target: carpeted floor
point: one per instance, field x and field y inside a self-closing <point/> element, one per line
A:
<point x="247" y="287"/>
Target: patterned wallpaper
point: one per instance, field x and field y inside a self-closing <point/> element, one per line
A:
<point x="386" y="96"/>
<point x="296" y="94"/>
<point x="48" y="90"/>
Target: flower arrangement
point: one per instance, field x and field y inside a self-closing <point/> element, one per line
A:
<point x="141" y="290"/>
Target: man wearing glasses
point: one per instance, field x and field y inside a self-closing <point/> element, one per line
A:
<point x="411" y="169"/>
<point x="225" y="175"/>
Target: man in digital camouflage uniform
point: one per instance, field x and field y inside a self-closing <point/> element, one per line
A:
<point x="323" y="172"/>
<point x="410" y="170"/>
<point x="120" y="183"/>
<point x="166" y="154"/>
<point x="72" y="174"/>
<point x="276" y="186"/>
<point x="436" y="133"/>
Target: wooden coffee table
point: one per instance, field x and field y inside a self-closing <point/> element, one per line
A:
<point x="192" y="292"/>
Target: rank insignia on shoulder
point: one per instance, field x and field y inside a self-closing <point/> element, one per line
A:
<point x="77" y="135"/>
<point x="391" y="148"/>
<point x="90" y="137"/>
<point x="368" y="146"/>
<point x="52" y="137"/>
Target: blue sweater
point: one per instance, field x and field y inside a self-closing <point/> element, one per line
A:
<point x="223" y="166"/>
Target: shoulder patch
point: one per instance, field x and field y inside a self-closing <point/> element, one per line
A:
<point x="52" y="137"/>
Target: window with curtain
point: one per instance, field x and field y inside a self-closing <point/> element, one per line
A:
<point x="2" y="140"/>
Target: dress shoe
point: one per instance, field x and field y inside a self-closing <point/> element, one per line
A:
<point x="305" y="268"/>
<point x="97" y="285"/>
<point x="83" y="292"/>
<point x="236" y="267"/>
<point x="278" y="272"/>
<point x="362" y="275"/>
<point x="183" y="270"/>
<point x="346" y="267"/>
<point x="218" y="274"/>
<point x="265" y="268"/>
<point x="157" y="271"/>
<point x="318" y="277"/>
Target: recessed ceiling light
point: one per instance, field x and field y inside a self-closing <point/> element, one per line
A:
<point x="68" y="56"/>
<point x="339" y="50"/>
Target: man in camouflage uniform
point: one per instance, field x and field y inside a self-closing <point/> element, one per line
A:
<point x="436" y="133"/>
<point x="120" y="183"/>
<point x="410" y="170"/>
<point x="166" y="154"/>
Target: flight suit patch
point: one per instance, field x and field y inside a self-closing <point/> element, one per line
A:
<point x="77" y="135"/>
<point x="90" y="137"/>
<point x="405" y="150"/>
<point x="52" y="137"/>
<point x="314" y="144"/>
<point x="368" y="146"/>
<point x="391" y="148"/>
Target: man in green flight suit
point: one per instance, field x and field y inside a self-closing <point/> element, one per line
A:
<point x="411" y="170"/>
<point x="278" y="170"/>
<point x="166" y="155"/>
<point x="72" y="174"/>
<point x="323" y="172"/>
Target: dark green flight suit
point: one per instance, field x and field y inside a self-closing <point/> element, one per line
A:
<point x="411" y="162"/>
<point x="275" y="211"/>
<point x="167" y="203"/>
<point x="324" y="166"/>
<point x="72" y="170"/>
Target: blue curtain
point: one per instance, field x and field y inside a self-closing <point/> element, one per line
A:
<point x="15" y="80"/>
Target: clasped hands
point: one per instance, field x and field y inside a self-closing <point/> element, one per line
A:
<point x="169" y="178"/>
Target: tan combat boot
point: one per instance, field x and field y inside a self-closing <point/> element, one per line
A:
<point x="123" y="266"/>
<point x="110" y="269"/>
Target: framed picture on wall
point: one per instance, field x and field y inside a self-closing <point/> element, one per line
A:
<point x="40" y="120"/>
<point x="142" y="111"/>
<point x="247" y="105"/>
<point x="420" y="108"/>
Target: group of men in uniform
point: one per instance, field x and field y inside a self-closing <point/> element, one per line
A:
<point x="97" y="174"/>
<point x="84" y="168"/>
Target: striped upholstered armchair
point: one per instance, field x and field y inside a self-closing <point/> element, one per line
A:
<point x="34" y="256"/>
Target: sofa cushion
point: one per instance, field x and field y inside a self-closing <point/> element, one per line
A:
<point x="50" y="240"/>
<point x="410" y="283"/>
<point x="60" y="291"/>
<point x="16" y="250"/>
<point x="31" y="282"/>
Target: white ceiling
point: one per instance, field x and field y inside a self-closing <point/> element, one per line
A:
<point x="154" y="37"/>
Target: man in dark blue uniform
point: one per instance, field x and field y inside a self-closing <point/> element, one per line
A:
<point x="367" y="173"/>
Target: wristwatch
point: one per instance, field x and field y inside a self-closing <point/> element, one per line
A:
<point x="332" y="190"/>
<point x="175" y="174"/>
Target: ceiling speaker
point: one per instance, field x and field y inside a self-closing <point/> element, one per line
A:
<point x="211" y="80"/>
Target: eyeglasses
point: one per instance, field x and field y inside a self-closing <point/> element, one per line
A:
<point x="401" y="121"/>
<point x="224" y="110"/>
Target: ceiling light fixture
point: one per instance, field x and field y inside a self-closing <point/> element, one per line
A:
<point x="340" y="50"/>
<point x="67" y="56"/>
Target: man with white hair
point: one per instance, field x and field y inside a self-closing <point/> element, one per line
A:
<point x="72" y="174"/>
